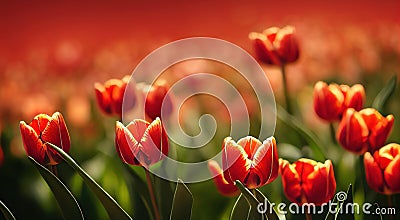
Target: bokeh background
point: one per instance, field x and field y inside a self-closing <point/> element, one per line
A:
<point x="52" y="52"/>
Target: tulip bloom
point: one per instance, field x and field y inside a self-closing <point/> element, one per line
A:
<point x="224" y="187"/>
<point x="251" y="162"/>
<point x="366" y="130"/>
<point x="42" y="130"/>
<point x="382" y="170"/>
<point x="308" y="181"/>
<point x="110" y="96"/>
<point x="276" y="46"/>
<point x="141" y="143"/>
<point x="330" y="101"/>
<point x="158" y="101"/>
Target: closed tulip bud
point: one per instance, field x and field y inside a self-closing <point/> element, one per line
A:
<point x="43" y="130"/>
<point x="141" y="143"/>
<point x="251" y="162"/>
<point x="330" y="101"/>
<point x="276" y="46"/>
<point x="157" y="101"/>
<point x="110" y="96"/>
<point x="366" y="130"/>
<point x="308" y="181"/>
<point x="224" y="187"/>
<point x="382" y="169"/>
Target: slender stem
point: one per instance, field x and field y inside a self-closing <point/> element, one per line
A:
<point x="285" y="90"/>
<point x="333" y="133"/>
<point x="53" y="169"/>
<point x="308" y="216"/>
<point x="390" y="205"/>
<point x="152" y="197"/>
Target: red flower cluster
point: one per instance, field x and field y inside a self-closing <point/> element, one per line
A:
<point x="42" y="130"/>
<point x="366" y="130"/>
<point x="382" y="169"/>
<point x="331" y="101"/>
<point x="276" y="46"/>
<point x="308" y="181"/>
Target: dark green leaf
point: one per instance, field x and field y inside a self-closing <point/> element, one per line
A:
<point x="165" y="196"/>
<point x="113" y="209"/>
<point x="182" y="202"/>
<point x="252" y="200"/>
<point x="313" y="141"/>
<point x="384" y="95"/>
<point x="6" y="212"/>
<point x="241" y="209"/>
<point x="269" y="209"/>
<point x="66" y="201"/>
<point x="341" y="212"/>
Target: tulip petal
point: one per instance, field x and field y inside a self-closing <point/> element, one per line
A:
<point x="291" y="182"/>
<point x="40" y="122"/>
<point x="33" y="146"/>
<point x="353" y="132"/>
<point x="355" y="97"/>
<point x="234" y="161"/>
<point x="103" y="98"/>
<point x="250" y="145"/>
<point x="126" y="145"/>
<point x="265" y="160"/>
<point x="373" y="173"/>
<point x="392" y="177"/>
<point x="155" y="141"/>
<point x="137" y="128"/>
<point x="223" y="186"/>
<point x="328" y="101"/>
<point x="286" y="44"/>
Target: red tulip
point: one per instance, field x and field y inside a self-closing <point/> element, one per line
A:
<point x="223" y="186"/>
<point x="330" y="101"/>
<point x="366" y="130"/>
<point x="141" y="143"/>
<point x="276" y="46"/>
<point x="110" y="96"/>
<point x="382" y="170"/>
<point x="157" y="101"/>
<point x="251" y="162"/>
<point x="308" y="181"/>
<point x="42" y="130"/>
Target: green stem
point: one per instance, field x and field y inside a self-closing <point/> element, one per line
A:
<point x="308" y="216"/>
<point x="333" y="133"/>
<point x="285" y="90"/>
<point x="53" y="169"/>
<point x="390" y="205"/>
<point x="152" y="196"/>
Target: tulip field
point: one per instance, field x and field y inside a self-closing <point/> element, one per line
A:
<point x="201" y="110"/>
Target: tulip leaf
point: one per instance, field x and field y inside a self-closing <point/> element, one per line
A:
<point x="344" y="205"/>
<point x="257" y="203"/>
<point x="66" y="201"/>
<point x="6" y="212"/>
<point x="384" y="95"/>
<point x="141" y="195"/>
<point x="113" y="209"/>
<point x="182" y="202"/>
<point x="313" y="141"/>
<point x="241" y="209"/>
<point x="165" y="196"/>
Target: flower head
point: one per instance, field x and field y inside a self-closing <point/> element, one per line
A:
<point x="141" y="143"/>
<point x="43" y="130"/>
<point x="251" y="162"/>
<point x="158" y="101"/>
<point x="110" y="96"/>
<point x="366" y="130"/>
<point x="382" y="169"/>
<point x="330" y="101"/>
<point x="308" y="181"/>
<point x="276" y="46"/>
